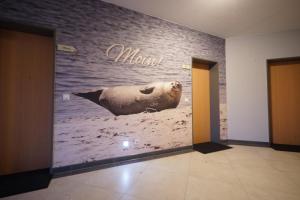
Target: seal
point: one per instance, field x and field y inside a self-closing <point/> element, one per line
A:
<point x="126" y="100"/>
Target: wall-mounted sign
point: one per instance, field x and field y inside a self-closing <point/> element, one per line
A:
<point x="187" y="67"/>
<point x="66" y="48"/>
<point x="120" y="53"/>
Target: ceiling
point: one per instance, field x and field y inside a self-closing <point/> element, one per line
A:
<point x="224" y="18"/>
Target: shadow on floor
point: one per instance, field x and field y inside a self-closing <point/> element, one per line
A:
<point x="24" y="182"/>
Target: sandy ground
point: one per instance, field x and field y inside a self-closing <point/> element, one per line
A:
<point x="85" y="139"/>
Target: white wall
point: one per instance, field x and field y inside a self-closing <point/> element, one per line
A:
<point x="246" y="73"/>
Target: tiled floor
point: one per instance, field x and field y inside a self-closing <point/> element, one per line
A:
<point x="243" y="172"/>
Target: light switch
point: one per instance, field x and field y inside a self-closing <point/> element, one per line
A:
<point x="187" y="67"/>
<point x="66" y="97"/>
<point x="66" y="48"/>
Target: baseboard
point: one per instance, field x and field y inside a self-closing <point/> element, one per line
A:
<point x="285" y="147"/>
<point x="96" y="165"/>
<point x="279" y="147"/>
<point x="246" y="143"/>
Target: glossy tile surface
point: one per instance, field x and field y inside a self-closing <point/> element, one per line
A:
<point x="243" y="172"/>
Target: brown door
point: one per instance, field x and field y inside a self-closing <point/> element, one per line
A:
<point x="201" y="103"/>
<point x="285" y="102"/>
<point x="26" y="101"/>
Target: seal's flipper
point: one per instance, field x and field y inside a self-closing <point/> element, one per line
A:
<point x="92" y="96"/>
<point x="147" y="90"/>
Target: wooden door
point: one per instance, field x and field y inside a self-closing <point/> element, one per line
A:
<point x="285" y="102"/>
<point x="26" y="101"/>
<point x="201" y="103"/>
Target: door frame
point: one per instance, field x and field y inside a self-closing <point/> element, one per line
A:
<point x="269" y="62"/>
<point x="44" y="31"/>
<point x="214" y="98"/>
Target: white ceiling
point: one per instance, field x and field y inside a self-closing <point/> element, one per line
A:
<point x="224" y="18"/>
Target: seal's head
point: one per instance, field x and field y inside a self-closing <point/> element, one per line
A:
<point x="174" y="88"/>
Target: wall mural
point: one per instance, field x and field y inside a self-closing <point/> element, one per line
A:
<point x="126" y="100"/>
<point x="126" y="89"/>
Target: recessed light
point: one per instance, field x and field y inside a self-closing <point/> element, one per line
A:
<point x="125" y="144"/>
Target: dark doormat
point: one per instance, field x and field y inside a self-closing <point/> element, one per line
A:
<point x="210" y="147"/>
<point x="24" y="182"/>
<point x="285" y="147"/>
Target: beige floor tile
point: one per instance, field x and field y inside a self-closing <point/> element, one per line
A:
<point x="285" y="196"/>
<point x="147" y="191"/>
<point x="118" y="179"/>
<point x="267" y="180"/>
<point x="251" y="163"/>
<point x="129" y="197"/>
<point x="159" y="184"/>
<point x="197" y="157"/>
<point x="293" y="176"/>
<point x="240" y="173"/>
<point x="170" y="164"/>
<point x="84" y="192"/>
<point x="183" y="156"/>
<point x="238" y="155"/>
<point x="289" y="165"/>
<point x="77" y="178"/>
<point x="198" y="189"/>
<point x="212" y="170"/>
<point x="271" y="154"/>
<point x="217" y="157"/>
<point x="257" y="193"/>
<point x="60" y="188"/>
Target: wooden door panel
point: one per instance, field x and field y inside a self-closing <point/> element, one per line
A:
<point x="201" y="103"/>
<point x="285" y="103"/>
<point x="26" y="101"/>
